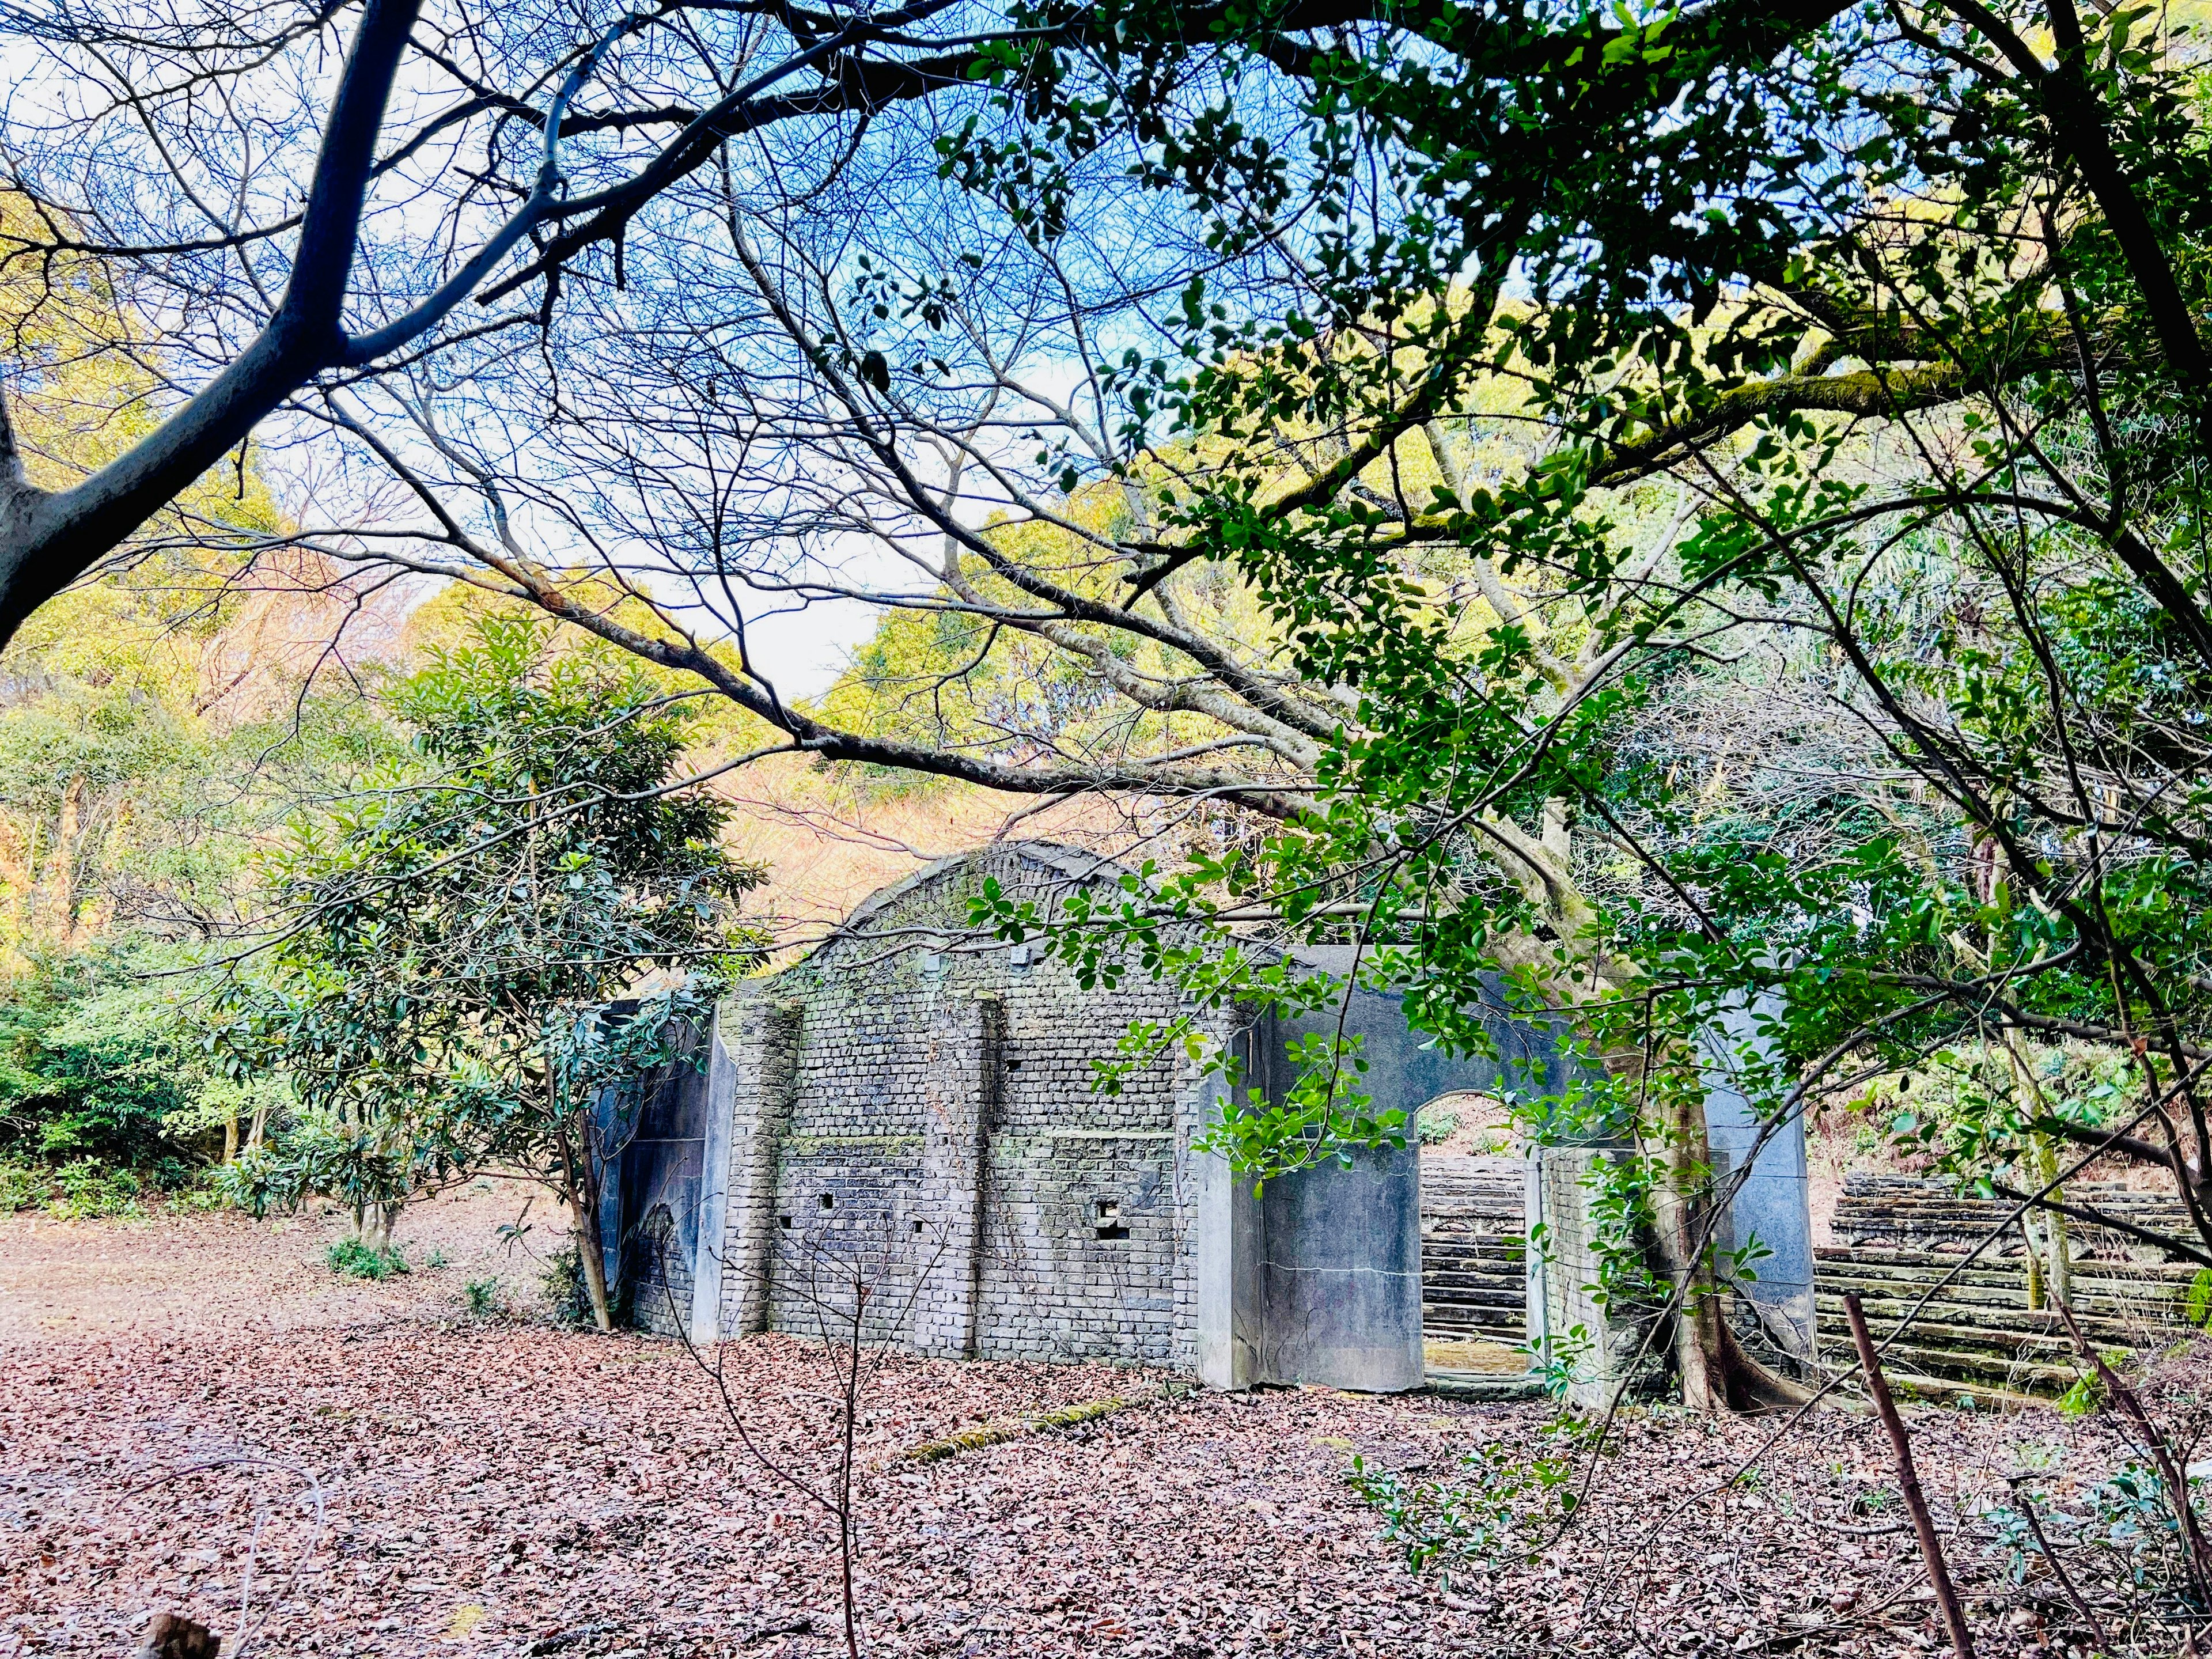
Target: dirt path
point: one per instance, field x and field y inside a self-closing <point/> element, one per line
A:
<point x="177" y="1273"/>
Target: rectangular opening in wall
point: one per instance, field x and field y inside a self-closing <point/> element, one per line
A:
<point x="784" y="1221"/>
<point x="1475" y="1267"/>
<point x="828" y="1202"/>
<point x="1110" y="1219"/>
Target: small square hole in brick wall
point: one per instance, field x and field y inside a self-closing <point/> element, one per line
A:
<point x="917" y="1226"/>
<point x="784" y="1221"/>
<point x="1110" y="1219"/>
<point x="828" y="1202"/>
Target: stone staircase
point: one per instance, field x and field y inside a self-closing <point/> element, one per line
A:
<point x="1976" y="1338"/>
<point x="1474" y="1272"/>
<point x="1906" y="1213"/>
<point x="1900" y="1236"/>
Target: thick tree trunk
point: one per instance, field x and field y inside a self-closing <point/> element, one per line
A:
<point x="1716" y="1373"/>
<point x="372" y="1224"/>
<point x="1689" y="1271"/>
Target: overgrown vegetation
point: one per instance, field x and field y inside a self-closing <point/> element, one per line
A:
<point x="445" y="996"/>
<point x="357" y="1260"/>
<point x="561" y="1281"/>
<point x="1496" y="1506"/>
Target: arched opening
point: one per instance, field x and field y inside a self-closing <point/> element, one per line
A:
<point x="1473" y="1233"/>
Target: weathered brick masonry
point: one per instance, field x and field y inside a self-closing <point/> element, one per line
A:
<point x="912" y="1113"/>
<point x="902" y="1129"/>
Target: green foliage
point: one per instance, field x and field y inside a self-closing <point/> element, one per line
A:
<point x="313" y="1152"/>
<point x="1322" y="1115"/>
<point x="106" y="1098"/>
<point x="22" y="1186"/>
<point x="461" y="924"/>
<point x="562" y="1282"/>
<point x="127" y="810"/>
<point x="1787" y="683"/>
<point x="2199" y="1301"/>
<point x="1972" y="1108"/>
<point x="1557" y="1363"/>
<point x="82" y="1188"/>
<point x="2083" y="1399"/>
<point x="352" y="1257"/>
<point x="2128" y="1520"/>
<point x="485" y="1299"/>
<point x="1498" y="1508"/>
<point x="1435" y="1127"/>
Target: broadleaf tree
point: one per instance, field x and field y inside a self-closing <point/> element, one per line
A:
<point x="483" y="950"/>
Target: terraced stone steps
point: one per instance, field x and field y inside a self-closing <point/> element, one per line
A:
<point x="1475" y="1283"/>
<point x="1974" y="1339"/>
<point x="1976" y="1334"/>
<point x="2001" y="1298"/>
<point x="1473" y="1274"/>
<point x="1913" y="1213"/>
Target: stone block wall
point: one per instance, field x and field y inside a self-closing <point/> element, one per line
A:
<point x="1568" y="1326"/>
<point x="756" y="1057"/>
<point x="915" y="1126"/>
<point x="902" y="1136"/>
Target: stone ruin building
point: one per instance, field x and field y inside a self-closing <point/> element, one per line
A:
<point x="912" y="1108"/>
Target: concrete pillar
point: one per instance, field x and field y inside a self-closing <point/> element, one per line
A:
<point x="1594" y="1345"/>
<point x="962" y="1070"/>
<point x="1773" y="1206"/>
<point x="1341" y="1281"/>
<point x="753" y="1069"/>
<point x="711" y="1247"/>
<point x="1317" y="1277"/>
<point x="1225" y="1250"/>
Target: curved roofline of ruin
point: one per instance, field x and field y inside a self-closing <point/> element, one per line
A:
<point x="1075" y="863"/>
<point x="1078" y="865"/>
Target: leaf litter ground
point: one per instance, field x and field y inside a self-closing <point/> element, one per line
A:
<point x="196" y="1416"/>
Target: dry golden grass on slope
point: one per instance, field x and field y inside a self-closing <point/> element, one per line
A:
<point x="827" y="843"/>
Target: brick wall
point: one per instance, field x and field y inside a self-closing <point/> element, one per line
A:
<point x="660" y="1275"/>
<point x="915" y="1133"/>
<point x="900" y="1134"/>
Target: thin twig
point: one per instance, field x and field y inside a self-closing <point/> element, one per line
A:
<point x="2026" y="1512"/>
